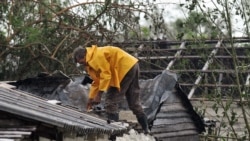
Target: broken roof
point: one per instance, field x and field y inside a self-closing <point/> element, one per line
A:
<point x="32" y="107"/>
<point x="155" y="93"/>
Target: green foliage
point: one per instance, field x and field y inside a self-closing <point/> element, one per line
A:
<point x="42" y="34"/>
<point x="195" y="26"/>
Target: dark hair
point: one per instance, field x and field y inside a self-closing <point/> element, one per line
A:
<point x="79" y="53"/>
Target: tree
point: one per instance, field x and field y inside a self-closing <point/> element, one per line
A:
<point x="195" y="26"/>
<point x="40" y="35"/>
<point x="224" y="16"/>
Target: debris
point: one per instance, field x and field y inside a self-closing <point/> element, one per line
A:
<point x="135" y="136"/>
<point x="55" y="102"/>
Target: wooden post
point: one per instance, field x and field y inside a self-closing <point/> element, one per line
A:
<point x="177" y="54"/>
<point x="205" y="67"/>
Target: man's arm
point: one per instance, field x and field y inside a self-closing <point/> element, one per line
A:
<point x="105" y="74"/>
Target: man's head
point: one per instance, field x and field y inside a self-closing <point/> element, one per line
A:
<point x="79" y="54"/>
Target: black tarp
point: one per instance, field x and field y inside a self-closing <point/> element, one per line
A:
<point x="155" y="91"/>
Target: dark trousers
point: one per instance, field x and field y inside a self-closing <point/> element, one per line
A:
<point x="130" y="89"/>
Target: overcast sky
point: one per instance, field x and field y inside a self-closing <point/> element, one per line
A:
<point x="172" y="12"/>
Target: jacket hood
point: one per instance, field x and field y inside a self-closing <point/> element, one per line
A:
<point x="90" y="52"/>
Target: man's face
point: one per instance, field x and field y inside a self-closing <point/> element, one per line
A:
<point x="81" y="61"/>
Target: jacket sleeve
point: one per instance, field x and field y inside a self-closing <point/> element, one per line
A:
<point x="94" y="89"/>
<point x="95" y="84"/>
<point x="105" y="74"/>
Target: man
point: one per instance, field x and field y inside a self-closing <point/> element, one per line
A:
<point x="115" y="72"/>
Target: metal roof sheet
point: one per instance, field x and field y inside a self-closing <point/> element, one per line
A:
<point x="29" y="106"/>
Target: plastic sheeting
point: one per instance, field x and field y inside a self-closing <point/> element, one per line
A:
<point x="155" y="91"/>
<point x="57" y="86"/>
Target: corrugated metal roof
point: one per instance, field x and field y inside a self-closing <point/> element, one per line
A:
<point x="176" y="119"/>
<point x="29" y="106"/>
<point x="173" y="120"/>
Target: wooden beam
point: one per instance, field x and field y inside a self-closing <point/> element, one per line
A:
<point x="190" y="57"/>
<point x="11" y="136"/>
<point x="14" y="133"/>
<point x="178" y="53"/>
<point x="211" y="85"/>
<point x="198" y="70"/>
<point x="205" y="67"/>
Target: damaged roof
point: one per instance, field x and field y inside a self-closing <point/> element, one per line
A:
<point x="26" y="105"/>
<point x="156" y="94"/>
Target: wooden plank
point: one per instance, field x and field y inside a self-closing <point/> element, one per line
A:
<point x="178" y="53"/>
<point x="190" y="57"/>
<point x="227" y="71"/>
<point x="171" y="121"/>
<point x="11" y="136"/>
<point x="173" y="128"/>
<point x="205" y="67"/>
<point x="211" y="71"/>
<point x="176" y="134"/>
<point x="181" y="138"/>
<point x="14" y="133"/>
<point x="212" y="85"/>
<point x="174" y="114"/>
<point x="172" y="104"/>
<point x="171" y="108"/>
<point x="188" y="42"/>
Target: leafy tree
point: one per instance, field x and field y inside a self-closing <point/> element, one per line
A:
<point x="40" y="35"/>
<point x="195" y="26"/>
<point x="223" y="16"/>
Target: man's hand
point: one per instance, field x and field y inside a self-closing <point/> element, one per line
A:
<point x="89" y="104"/>
<point x="98" y="97"/>
<point x="95" y="101"/>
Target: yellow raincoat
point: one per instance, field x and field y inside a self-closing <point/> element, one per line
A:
<point x="107" y="66"/>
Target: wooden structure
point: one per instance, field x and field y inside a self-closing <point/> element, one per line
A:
<point x="213" y="73"/>
<point x="203" y="66"/>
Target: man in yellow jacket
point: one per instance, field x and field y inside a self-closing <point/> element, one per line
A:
<point x="116" y="73"/>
